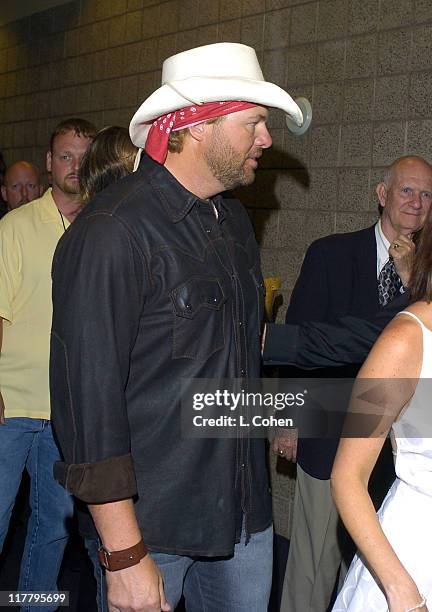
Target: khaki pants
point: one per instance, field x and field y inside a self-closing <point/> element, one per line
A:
<point x="315" y="548"/>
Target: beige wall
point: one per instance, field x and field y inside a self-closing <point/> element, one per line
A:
<point x="366" y="66"/>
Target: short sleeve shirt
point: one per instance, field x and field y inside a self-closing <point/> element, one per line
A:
<point x="28" y="238"/>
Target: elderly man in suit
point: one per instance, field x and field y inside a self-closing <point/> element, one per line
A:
<point x="357" y="274"/>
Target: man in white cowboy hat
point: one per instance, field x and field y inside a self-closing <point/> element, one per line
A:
<point x="157" y="282"/>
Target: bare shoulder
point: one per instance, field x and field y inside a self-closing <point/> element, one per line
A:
<point x="398" y="352"/>
<point x="422" y="310"/>
<point x="402" y="331"/>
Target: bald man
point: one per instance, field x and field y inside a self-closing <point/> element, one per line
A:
<point x="21" y="184"/>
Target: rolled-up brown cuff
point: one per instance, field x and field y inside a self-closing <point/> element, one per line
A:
<point x="106" y="481"/>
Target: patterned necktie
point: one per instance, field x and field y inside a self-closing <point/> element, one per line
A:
<point x="389" y="283"/>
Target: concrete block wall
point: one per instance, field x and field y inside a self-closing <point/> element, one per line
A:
<point x="366" y="66"/>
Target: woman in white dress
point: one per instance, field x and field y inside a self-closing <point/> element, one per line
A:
<point x="393" y="569"/>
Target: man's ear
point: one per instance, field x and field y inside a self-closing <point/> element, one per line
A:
<point x="381" y="192"/>
<point x="48" y="161"/>
<point x="198" y="132"/>
<point x="4" y="193"/>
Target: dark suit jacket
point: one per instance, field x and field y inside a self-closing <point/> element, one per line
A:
<point x="311" y="345"/>
<point x="338" y="278"/>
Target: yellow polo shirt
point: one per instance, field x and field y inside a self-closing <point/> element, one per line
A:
<point x="28" y="238"/>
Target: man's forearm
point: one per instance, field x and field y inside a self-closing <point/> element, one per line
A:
<point x="140" y="586"/>
<point x="116" y="524"/>
<point x="320" y="345"/>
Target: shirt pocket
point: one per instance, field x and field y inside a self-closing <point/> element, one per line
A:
<point x="199" y="318"/>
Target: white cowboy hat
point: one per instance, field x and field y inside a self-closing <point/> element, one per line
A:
<point x="215" y="73"/>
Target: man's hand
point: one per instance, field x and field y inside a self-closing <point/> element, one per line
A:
<point x="402" y="251"/>
<point x="137" y="589"/>
<point x="285" y="444"/>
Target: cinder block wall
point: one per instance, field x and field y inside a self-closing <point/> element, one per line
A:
<point x="366" y="66"/>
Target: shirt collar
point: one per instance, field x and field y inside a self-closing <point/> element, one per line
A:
<point x="383" y="246"/>
<point x="382" y="236"/>
<point x="48" y="210"/>
<point x="177" y="200"/>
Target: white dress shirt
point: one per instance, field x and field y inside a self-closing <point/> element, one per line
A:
<point x="383" y="246"/>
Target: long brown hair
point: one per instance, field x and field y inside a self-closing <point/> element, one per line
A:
<point x="421" y="276"/>
<point x="108" y="158"/>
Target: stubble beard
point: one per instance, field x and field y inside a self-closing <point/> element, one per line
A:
<point x="69" y="187"/>
<point x="227" y="165"/>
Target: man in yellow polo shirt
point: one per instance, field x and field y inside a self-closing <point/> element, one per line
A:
<point x="28" y="238"/>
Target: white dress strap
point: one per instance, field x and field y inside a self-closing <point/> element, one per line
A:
<point x="411" y="314"/>
<point x="426" y="371"/>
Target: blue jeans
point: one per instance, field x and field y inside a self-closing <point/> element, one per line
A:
<point x="240" y="583"/>
<point x="29" y="443"/>
<point x="92" y="546"/>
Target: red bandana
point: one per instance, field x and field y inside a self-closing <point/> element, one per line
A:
<point x="157" y="140"/>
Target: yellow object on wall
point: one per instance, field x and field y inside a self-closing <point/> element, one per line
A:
<point x="272" y="287"/>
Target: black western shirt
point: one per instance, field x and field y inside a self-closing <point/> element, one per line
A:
<point x="149" y="287"/>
